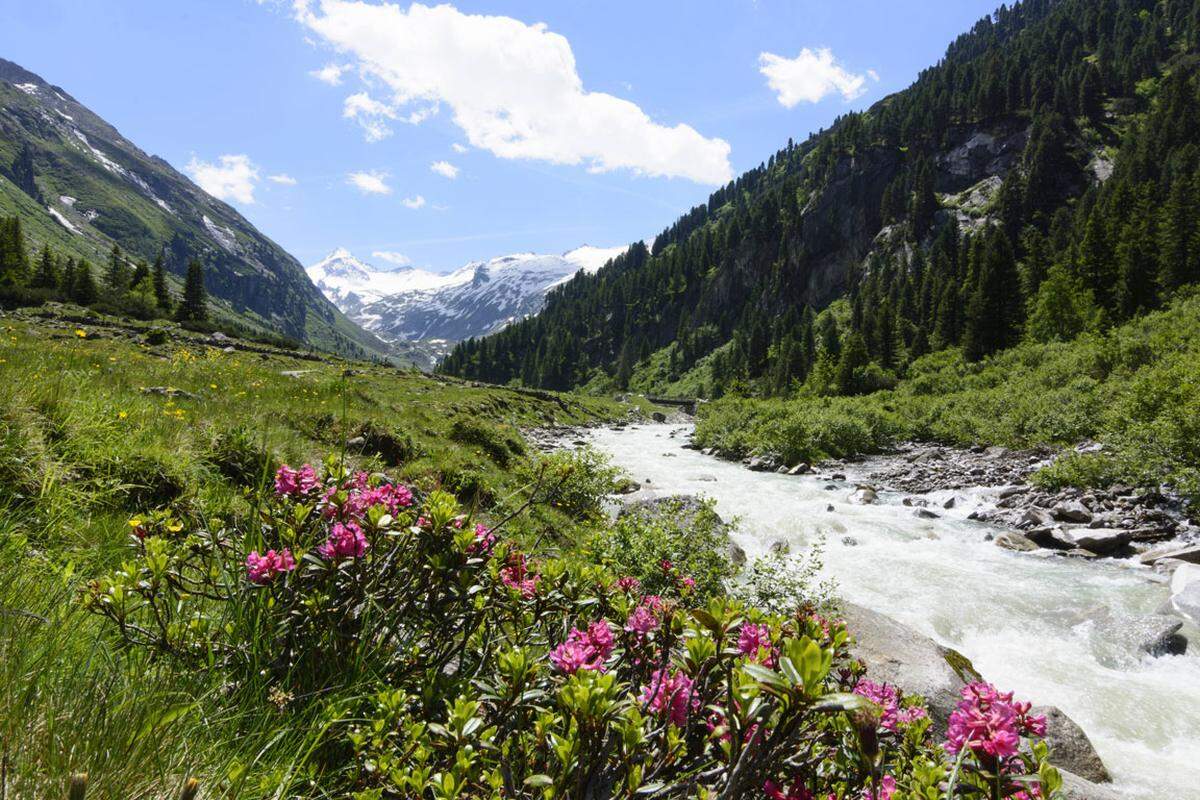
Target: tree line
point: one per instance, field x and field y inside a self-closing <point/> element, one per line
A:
<point x="121" y="285"/>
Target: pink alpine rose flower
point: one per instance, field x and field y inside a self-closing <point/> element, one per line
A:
<point x="989" y="723"/>
<point x="797" y="791"/>
<point x="516" y="576"/>
<point x="670" y="693"/>
<point x="346" y="540"/>
<point x="887" y="788"/>
<point x="264" y="569"/>
<point x="584" y="649"/>
<point x="295" y="482"/>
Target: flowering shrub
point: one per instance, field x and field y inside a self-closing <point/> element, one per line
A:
<point x="489" y="672"/>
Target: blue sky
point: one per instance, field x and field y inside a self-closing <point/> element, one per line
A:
<point x="439" y="135"/>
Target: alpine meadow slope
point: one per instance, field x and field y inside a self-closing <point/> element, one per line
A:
<point x="80" y="187"/>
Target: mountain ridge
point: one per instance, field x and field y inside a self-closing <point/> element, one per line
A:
<point x="90" y="187"/>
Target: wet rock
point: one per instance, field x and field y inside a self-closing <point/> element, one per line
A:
<point x="849" y="541"/>
<point x="780" y="547"/>
<point x="707" y="478"/>
<point x="735" y="554"/>
<point x="1079" y="552"/>
<point x="800" y="469"/>
<point x="1155" y="634"/>
<point x="896" y="654"/>
<point x="762" y="463"/>
<point x="1035" y="518"/>
<point x="864" y="496"/>
<point x="1077" y="788"/>
<point x="925" y="513"/>
<point x="1051" y="538"/>
<point x="1185" y="592"/>
<point x="1102" y="541"/>
<point x="658" y="416"/>
<point x="1188" y="554"/>
<point x="1070" y="747"/>
<point x="951" y="502"/>
<point x="1011" y="540"/>
<point x="837" y="476"/>
<point x="830" y="507"/>
<point x="1071" y="511"/>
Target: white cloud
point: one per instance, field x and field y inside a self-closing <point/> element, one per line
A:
<point x="414" y="202"/>
<point x="370" y="114"/>
<point x="231" y="178"/>
<point x="513" y="88"/>
<point x="459" y="148"/>
<point x="330" y="73"/>
<point x="809" y="77"/>
<point x="283" y="179"/>
<point x="445" y="169"/>
<point x="369" y="182"/>
<point x="392" y="257"/>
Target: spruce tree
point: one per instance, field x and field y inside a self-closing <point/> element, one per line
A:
<point x="1062" y="309"/>
<point x="46" y="274"/>
<point x="115" y="278"/>
<point x="66" y="280"/>
<point x="14" y="261"/>
<point x="994" y="310"/>
<point x="84" y="292"/>
<point x="1137" y="264"/>
<point x="162" y="294"/>
<point x="194" y="306"/>
<point x="1177" y="256"/>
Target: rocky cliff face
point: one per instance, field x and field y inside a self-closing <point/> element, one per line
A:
<point x="93" y="188"/>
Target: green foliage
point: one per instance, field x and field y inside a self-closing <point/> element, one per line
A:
<point x="500" y="445"/>
<point x="1134" y="389"/>
<point x="662" y="542"/>
<point x="576" y="481"/>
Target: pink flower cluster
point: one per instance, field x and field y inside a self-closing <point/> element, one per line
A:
<point x="263" y="569"/>
<point x="628" y="584"/>
<point x="584" y="649"/>
<point x="754" y="642"/>
<point x="485" y="540"/>
<point x="670" y="693"/>
<point x="990" y="723"/>
<point x="362" y="496"/>
<point x="646" y="618"/>
<point x="888" y="700"/>
<point x="515" y="575"/>
<point x="887" y="788"/>
<point x="295" y="482"/>
<point x="346" y="540"/>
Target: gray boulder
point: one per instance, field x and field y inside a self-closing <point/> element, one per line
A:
<point x="925" y="513"/>
<point x="1070" y="747"/>
<point x="1071" y="511"/>
<point x="1077" y="788"/>
<point x="1011" y="540"/>
<point x="1102" y="541"/>
<point x="864" y="496"/>
<point x="897" y="654"/>
<point x="1052" y="538"/>
<point x="1185" y="592"/>
<point x="1188" y="554"/>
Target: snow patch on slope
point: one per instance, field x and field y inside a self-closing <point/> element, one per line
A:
<point x="66" y="223"/>
<point x="224" y="236"/>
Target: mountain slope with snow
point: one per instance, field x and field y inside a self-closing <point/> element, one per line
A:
<point x="413" y="305"/>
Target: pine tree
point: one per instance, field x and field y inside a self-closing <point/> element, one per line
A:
<point x="162" y="294"/>
<point x="1090" y="94"/>
<point x="14" y="261"/>
<point x="46" y="274"/>
<point x="84" y="292"/>
<point x="994" y="310"/>
<point x="115" y="278"/>
<point x="1137" y="264"/>
<point x="1178" y="261"/>
<point x="194" y="306"/>
<point x="66" y="280"/>
<point x="141" y="272"/>
<point x="924" y="201"/>
<point x="854" y="358"/>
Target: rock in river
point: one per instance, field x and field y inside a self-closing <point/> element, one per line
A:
<point x="1070" y="747"/>
<point x="899" y="655"/>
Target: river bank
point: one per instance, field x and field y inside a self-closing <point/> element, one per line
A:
<point x="1050" y="627"/>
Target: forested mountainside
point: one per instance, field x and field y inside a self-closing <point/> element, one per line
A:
<point x="78" y="186"/>
<point x="1039" y="181"/>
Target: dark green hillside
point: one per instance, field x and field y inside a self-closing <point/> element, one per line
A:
<point x="79" y="186"/>
<point x="1037" y="182"/>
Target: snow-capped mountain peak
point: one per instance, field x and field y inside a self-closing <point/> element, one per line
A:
<point x="406" y="304"/>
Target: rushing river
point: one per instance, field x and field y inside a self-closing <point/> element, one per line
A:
<point x="1016" y="616"/>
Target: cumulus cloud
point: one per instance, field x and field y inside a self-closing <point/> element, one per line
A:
<point x="330" y="73"/>
<point x="369" y="182"/>
<point x="414" y="202"/>
<point x="392" y="257"/>
<point x="232" y="177"/>
<point x="459" y="148"/>
<point x="283" y="179"/>
<point x="513" y="88"/>
<point x="809" y="77"/>
<point x="370" y="114"/>
<point x="445" y="169"/>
